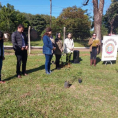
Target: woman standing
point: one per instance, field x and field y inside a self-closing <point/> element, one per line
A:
<point x="68" y="48"/>
<point x="94" y="45"/>
<point x="47" y="49"/>
<point x="59" y="49"/>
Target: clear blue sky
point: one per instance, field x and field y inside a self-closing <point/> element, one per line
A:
<point x="43" y="6"/>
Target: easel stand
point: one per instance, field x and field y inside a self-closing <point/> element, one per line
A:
<point x="109" y="62"/>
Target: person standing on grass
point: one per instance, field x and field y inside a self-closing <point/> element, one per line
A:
<point x="47" y="49"/>
<point x="68" y="48"/>
<point x="59" y="49"/>
<point x="1" y="54"/>
<point x="94" y="46"/>
<point x="53" y="44"/>
<point x="20" y="46"/>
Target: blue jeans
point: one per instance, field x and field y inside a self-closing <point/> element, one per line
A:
<point x="0" y="67"/>
<point x="47" y="62"/>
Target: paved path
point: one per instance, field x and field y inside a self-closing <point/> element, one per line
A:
<point x="40" y="48"/>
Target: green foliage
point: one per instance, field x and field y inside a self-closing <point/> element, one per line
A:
<point x="114" y="1"/>
<point x="9" y="19"/>
<point x="104" y="31"/>
<point x="43" y="96"/>
<point x="38" y="23"/>
<point x="76" y="21"/>
<point x="110" y="19"/>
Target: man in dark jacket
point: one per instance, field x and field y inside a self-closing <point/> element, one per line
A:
<point x="20" y="46"/>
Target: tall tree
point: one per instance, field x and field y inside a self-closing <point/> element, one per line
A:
<point x="76" y="21"/>
<point x="9" y="18"/>
<point x="98" y="6"/>
<point x="110" y="19"/>
<point x="38" y="23"/>
<point x="6" y="16"/>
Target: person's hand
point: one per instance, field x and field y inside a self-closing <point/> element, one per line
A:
<point x="3" y="58"/>
<point x="71" y="49"/>
<point x="96" y="44"/>
<point x="26" y="47"/>
<point x="61" y="50"/>
<point x="22" y="48"/>
<point x="54" y="48"/>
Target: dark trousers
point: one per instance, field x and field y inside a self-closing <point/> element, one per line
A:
<point x="93" y="53"/>
<point x="21" y="57"/>
<point x="57" y="60"/>
<point x="47" y="62"/>
<point x="68" y="57"/>
<point x="0" y="67"/>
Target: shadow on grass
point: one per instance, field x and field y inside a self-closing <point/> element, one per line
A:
<point x="9" y="78"/>
<point x="108" y="62"/>
<point x="36" y="69"/>
<point x="98" y="60"/>
<point x="80" y="59"/>
<point x="28" y="71"/>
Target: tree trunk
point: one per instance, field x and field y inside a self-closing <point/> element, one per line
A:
<point x="98" y="12"/>
<point x="97" y="30"/>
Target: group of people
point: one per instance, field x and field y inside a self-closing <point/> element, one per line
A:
<point x="50" y="47"/>
<point x="56" y="47"/>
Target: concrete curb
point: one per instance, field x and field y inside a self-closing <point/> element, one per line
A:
<point x="40" y="47"/>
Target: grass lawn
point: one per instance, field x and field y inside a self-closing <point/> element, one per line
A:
<point x="40" y="43"/>
<point x="43" y="96"/>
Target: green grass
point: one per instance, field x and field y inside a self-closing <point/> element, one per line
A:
<point x="40" y="43"/>
<point x="43" y="96"/>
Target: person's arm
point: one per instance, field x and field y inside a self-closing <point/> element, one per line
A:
<point x="90" y="42"/>
<point x="26" y="41"/>
<point x="46" y="42"/>
<point x="72" y="44"/>
<point x="66" y="45"/>
<point x="3" y="54"/>
<point x="15" y="45"/>
<point x="61" y="47"/>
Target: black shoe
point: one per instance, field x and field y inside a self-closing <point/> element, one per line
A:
<point x="58" y="68"/>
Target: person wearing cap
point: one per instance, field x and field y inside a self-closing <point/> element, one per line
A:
<point x="94" y="47"/>
<point x="47" y="49"/>
<point x="20" y="46"/>
<point x="68" y="48"/>
<point x="59" y="49"/>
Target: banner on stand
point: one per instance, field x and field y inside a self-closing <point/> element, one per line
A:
<point x="109" y="50"/>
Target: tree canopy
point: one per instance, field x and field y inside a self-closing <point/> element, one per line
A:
<point x="110" y="19"/>
<point x="76" y="21"/>
<point x="9" y="18"/>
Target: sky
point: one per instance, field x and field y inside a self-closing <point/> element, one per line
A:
<point x="43" y="6"/>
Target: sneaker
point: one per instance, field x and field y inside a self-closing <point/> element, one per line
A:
<point x="50" y="71"/>
<point x="47" y="73"/>
<point x="58" y="68"/>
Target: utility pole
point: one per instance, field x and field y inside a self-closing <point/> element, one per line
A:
<point x="50" y="13"/>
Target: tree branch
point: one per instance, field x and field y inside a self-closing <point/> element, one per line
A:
<point x="101" y="6"/>
<point x="95" y="5"/>
<point x="86" y="3"/>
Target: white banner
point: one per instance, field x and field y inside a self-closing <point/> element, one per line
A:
<point x="109" y="50"/>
